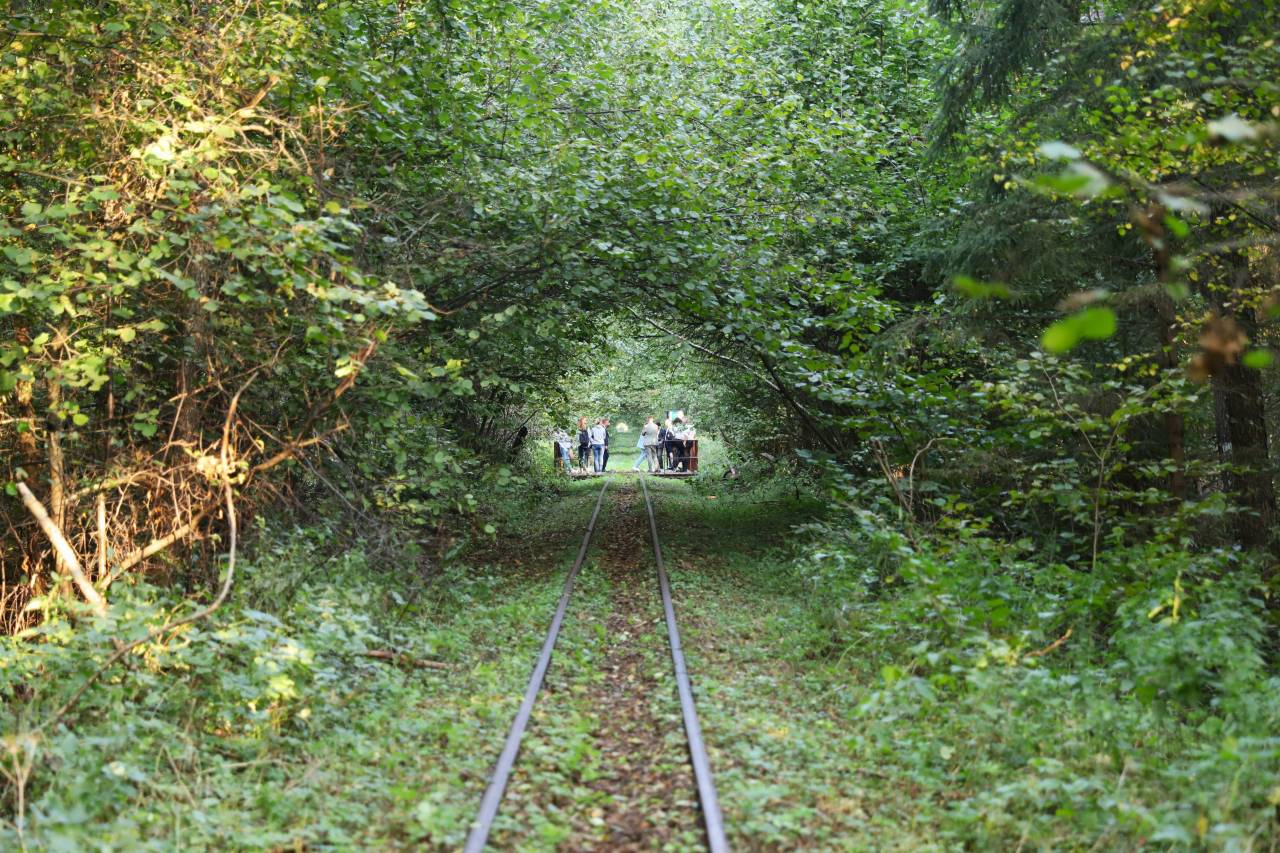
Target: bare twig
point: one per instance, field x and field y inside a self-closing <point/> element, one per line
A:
<point x="102" y="534"/>
<point x="1056" y="644"/>
<point x="700" y="348"/>
<point x="911" y="469"/>
<point x="404" y="658"/>
<point x="217" y="602"/>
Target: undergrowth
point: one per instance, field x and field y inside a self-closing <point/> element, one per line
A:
<point x="862" y="686"/>
<point x="272" y="725"/>
<point x="865" y="690"/>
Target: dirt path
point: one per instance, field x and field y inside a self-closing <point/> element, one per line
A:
<point x="651" y="800"/>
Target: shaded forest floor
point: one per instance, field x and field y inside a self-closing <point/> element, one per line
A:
<point x="285" y="734"/>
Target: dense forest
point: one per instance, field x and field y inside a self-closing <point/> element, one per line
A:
<point x="974" y="303"/>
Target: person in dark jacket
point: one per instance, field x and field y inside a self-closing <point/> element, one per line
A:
<point x="666" y="442"/>
<point x="679" y="447"/>
<point x="605" y="462"/>
<point x="584" y="444"/>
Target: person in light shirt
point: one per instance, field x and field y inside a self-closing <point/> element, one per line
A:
<point x="650" y="441"/>
<point x="598" y="434"/>
<point x="640" y="459"/>
<point x="564" y="444"/>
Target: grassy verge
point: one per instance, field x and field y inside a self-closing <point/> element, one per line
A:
<point x="897" y="735"/>
<point x="272" y="728"/>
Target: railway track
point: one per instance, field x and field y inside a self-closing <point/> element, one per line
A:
<point x="712" y="820"/>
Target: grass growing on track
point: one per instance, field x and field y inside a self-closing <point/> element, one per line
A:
<point x="272" y="731"/>
<point x="604" y="763"/>
<point x="771" y="744"/>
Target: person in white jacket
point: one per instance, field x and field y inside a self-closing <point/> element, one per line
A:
<point x="649" y="438"/>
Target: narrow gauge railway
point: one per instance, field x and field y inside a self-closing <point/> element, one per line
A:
<point x="712" y="820"/>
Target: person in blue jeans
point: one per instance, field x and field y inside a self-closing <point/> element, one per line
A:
<point x="563" y="444"/>
<point x="597" y="445"/>
<point x="642" y="458"/>
<point x="584" y="444"/>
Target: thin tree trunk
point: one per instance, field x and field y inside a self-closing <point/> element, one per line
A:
<point x="57" y="477"/>
<point x="1174" y="424"/>
<point x="1241" y="424"/>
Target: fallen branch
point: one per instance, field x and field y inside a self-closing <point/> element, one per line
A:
<point x="153" y="634"/>
<point x="404" y="659"/>
<point x="1051" y="647"/>
<point x="65" y="552"/>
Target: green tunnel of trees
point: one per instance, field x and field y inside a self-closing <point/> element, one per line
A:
<point x="391" y="227"/>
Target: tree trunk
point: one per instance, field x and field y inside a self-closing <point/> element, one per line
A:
<point x="1240" y="420"/>
<point x="1174" y="425"/>
<point x="24" y="393"/>
<point x="57" y="463"/>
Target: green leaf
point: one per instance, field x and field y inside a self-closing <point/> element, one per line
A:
<point x="1176" y="226"/>
<point x="1095" y="323"/>
<point x="1079" y="179"/>
<point x="975" y="289"/>
<point x="1232" y="128"/>
<point x="161" y="150"/>
<point x="1257" y="359"/>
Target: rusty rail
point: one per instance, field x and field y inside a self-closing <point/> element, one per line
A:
<point x="712" y="819"/>
<point x="711" y="816"/>
<point x="483" y="823"/>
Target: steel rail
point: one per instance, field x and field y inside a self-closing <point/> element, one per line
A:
<point x="711" y="816"/>
<point x="483" y="823"/>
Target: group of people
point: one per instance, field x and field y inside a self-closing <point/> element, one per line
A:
<point x="593" y="446"/>
<point x="667" y="447"/>
<point x="664" y="448"/>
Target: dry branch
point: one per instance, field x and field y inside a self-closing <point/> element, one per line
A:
<point x="66" y="553"/>
<point x="404" y="659"/>
<point x="1051" y="647"/>
<point x="153" y="634"/>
